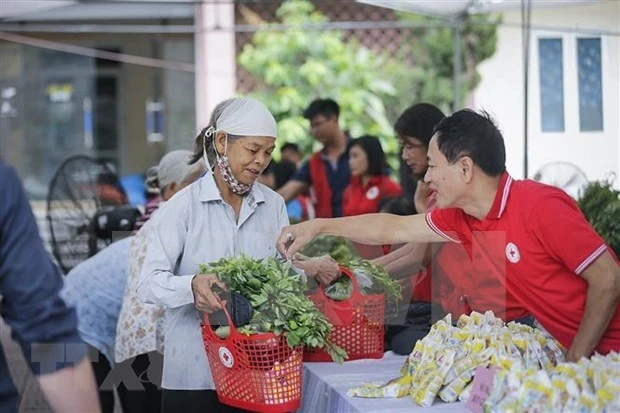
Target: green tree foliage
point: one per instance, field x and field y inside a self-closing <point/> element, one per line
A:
<point x="295" y="66"/>
<point x="430" y="53"/>
<point x="600" y="203"/>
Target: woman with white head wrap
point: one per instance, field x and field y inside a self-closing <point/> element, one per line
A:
<point x="223" y="214"/>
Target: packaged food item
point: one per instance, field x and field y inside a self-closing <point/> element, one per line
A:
<point x="464" y="396"/>
<point x="431" y="384"/>
<point x="444" y="363"/>
<point x="451" y="392"/>
<point x="398" y="387"/>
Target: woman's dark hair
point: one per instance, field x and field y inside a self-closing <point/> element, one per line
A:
<point x="284" y="171"/>
<point x="199" y="142"/>
<point x="374" y="152"/>
<point x="419" y="121"/>
<point x="467" y="133"/>
<point x="398" y="205"/>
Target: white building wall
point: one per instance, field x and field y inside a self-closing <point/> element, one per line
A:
<point x="501" y="91"/>
<point x="214" y="57"/>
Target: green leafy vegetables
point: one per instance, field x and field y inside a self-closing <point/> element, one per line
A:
<point x="277" y="295"/>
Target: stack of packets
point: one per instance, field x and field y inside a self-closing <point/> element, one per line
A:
<point x="590" y="385"/>
<point x="444" y="362"/>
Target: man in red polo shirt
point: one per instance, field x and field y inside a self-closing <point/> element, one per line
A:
<point x="530" y="236"/>
<point x="450" y="279"/>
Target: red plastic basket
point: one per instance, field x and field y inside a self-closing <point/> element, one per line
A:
<point x="358" y="323"/>
<point x="260" y="372"/>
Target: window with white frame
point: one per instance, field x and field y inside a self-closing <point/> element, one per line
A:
<point x="551" y="84"/>
<point x="590" y="84"/>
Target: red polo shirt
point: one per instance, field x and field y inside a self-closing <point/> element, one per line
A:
<point x="359" y="199"/>
<point x="460" y="288"/>
<point x="536" y="241"/>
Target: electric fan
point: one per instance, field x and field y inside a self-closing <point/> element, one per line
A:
<point x="85" y="205"/>
<point x="563" y="175"/>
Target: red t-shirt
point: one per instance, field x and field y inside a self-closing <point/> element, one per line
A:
<point x="536" y="242"/>
<point x="359" y="199"/>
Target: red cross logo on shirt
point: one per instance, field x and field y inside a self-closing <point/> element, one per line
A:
<point x="512" y="253"/>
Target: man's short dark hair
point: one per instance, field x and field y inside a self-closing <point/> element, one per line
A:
<point x="467" y="133"/>
<point x="290" y="146"/>
<point x="419" y="121"/>
<point x="325" y="107"/>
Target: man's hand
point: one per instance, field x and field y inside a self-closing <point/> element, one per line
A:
<point x="204" y="298"/>
<point x="324" y="269"/>
<point x="295" y="237"/>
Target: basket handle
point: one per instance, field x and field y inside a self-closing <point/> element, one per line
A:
<point x="207" y="322"/>
<point x="355" y="290"/>
<point x="341" y="312"/>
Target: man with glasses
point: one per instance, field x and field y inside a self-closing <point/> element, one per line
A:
<point x="326" y="173"/>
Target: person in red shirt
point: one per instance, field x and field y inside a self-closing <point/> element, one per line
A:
<point x="369" y="180"/>
<point x="449" y="280"/>
<point x="530" y="236"/>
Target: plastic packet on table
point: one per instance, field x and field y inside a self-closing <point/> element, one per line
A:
<point x="499" y="388"/>
<point x="475" y="359"/>
<point x="398" y="387"/>
<point x="505" y="383"/>
<point x="537" y="391"/>
<point x="509" y="404"/>
<point x="543" y="359"/>
<point x="429" y="386"/>
<point x="586" y="403"/>
<point x="450" y="392"/>
<point x="530" y="358"/>
<point x="464" y="396"/>
<point x="608" y="397"/>
<point x="565" y="396"/>
<point x="414" y="358"/>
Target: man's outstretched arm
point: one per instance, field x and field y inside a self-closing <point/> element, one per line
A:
<point x="371" y="229"/>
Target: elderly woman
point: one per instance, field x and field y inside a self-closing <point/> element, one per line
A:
<point x="96" y="287"/>
<point x="223" y="214"/>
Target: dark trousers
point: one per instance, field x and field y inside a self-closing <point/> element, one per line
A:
<point x="146" y="400"/>
<point x="194" y="401"/>
<point x="419" y="318"/>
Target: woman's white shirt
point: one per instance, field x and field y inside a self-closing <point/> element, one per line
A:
<point x="197" y="227"/>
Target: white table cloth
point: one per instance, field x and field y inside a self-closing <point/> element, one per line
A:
<point x="325" y="386"/>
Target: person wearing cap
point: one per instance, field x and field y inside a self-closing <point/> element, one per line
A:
<point x="96" y="288"/>
<point x="152" y="195"/>
<point x="223" y="214"/>
<point x="139" y="330"/>
<point x="531" y="237"/>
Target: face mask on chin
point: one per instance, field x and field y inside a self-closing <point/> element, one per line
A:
<point x="227" y="174"/>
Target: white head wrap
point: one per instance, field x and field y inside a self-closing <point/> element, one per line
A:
<point x="247" y="117"/>
<point x="175" y="167"/>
